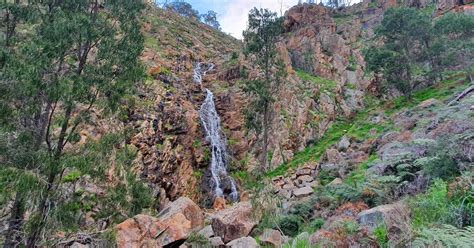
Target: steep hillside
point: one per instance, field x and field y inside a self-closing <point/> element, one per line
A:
<point x="353" y="161"/>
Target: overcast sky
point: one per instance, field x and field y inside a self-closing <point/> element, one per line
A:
<point x="232" y="14"/>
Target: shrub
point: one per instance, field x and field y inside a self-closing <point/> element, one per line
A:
<point x="290" y="224"/>
<point x="445" y="236"/>
<point x="316" y="224"/>
<point x="304" y="209"/>
<point x="301" y="241"/>
<point x="197" y="239"/>
<point x="442" y="163"/>
<point x="381" y="234"/>
<point x="435" y="206"/>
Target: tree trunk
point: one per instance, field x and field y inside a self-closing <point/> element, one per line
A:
<point x="54" y="170"/>
<point x="265" y="138"/>
<point x="15" y="223"/>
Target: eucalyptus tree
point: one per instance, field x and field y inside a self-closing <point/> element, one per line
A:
<point x="264" y="28"/>
<point x="71" y="56"/>
<point x="406" y="34"/>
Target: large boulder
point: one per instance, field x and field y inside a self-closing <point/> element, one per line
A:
<point x="244" y="242"/>
<point x="302" y="192"/>
<point x="234" y="222"/>
<point x="174" y="223"/>
<point x="271" y="238"/>
<point x="395" y="217"/>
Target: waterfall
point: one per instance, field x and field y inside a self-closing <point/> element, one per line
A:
<point x="212" y="127"/>
<point x="199" y="71"/>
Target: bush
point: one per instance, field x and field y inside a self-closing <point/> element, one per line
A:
<point x="304" y="210"/>
<point x="301" y="241"/>
<point x="445" y="236"/>
<point x="316" y="224"/>
<point x="438" y="206"/>
<point x="197" y="239"/>
<point x="442" y="163"/>
<point x="381" y="234"/>
<point x="290" y="224"/>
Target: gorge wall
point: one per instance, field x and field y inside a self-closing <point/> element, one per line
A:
<point x="322" y="51"/>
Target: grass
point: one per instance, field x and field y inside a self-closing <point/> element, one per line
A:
<point x="360" y="126"/>
<point x="314" y="153"/>
<point x="441" y="91"/>
<point x="357" y="177"/>
<point x="381" y="233"/>
<point x="325" y="84"/>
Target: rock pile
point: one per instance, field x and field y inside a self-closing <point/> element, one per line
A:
<point x="299" y="184"/>
<point x="173" y="225"/>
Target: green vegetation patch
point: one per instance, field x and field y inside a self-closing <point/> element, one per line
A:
<point x="326" y="84"/>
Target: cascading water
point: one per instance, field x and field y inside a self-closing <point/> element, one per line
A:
<point x="199" y="71"/>
<point x="212" y="126"/>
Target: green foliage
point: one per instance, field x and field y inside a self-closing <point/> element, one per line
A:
<point x="71" y="56"/>
<point x="314" y="153"/>
<point x="210" y="18"/>
<point x="455" y="43"/>
<point x="262" y="32"/>
<point x="452" y="83"/>
<point x="325" y="84"/>
<point x="72" y="177"/>
<point x="315" y="225"/>
<point x="183" y="8"/>
<point x="197" y="239"/>
<point x="352" y="63"/>
<point x="303" y="209"/>
<point x="400" y="28"/>
<point x="445" y="236"/>
<point x="358" y="177"/>
<point x="381" y="234"/>
<point x="350" y="227"/>
<point x="290" y="224"/>
<point x="441" y="163"/>
<point x="301" y="241"/>
<point x="432" y="207"/>
<point x="359" y="128"/>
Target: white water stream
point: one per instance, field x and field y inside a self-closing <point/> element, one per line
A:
<point x="212" y="126"/>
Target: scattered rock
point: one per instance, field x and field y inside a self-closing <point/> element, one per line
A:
<point x="78" y="245"/>
<point x="244" y="242"/>
<point x="207" y="231"/>
<point x="396" y="217"/>
<point x="185" y="206"/>
<point x="286" y="193"/>
<point x="174" y="223"/>
<point x="303" y="171"/>
<point x="428" y="103"/>
<point x="336" y="181"/>
<point x="216" y="242"/>
<point x="302" y="192"/>
<point x="234" y="222"/>
<point x="344" y="143"/>
<point x="305" y="178"/>
<point x="311" y="184"/>
<point x="272" y="238"/>
<point x="219" y="203"/>
<point x="333" y="156"/>
<point x="331" y="168"/>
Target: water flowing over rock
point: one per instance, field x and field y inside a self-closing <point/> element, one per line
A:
<point x="222" y="184"/>
<point x="200" y="70"/>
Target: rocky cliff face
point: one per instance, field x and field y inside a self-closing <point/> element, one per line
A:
<point x="326" y="81"/>
<point x="322" y="52"/>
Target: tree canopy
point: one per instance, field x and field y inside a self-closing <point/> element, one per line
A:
<point x="76" y="56"/>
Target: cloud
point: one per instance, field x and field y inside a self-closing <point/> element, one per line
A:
<point x="234" y="18"/>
